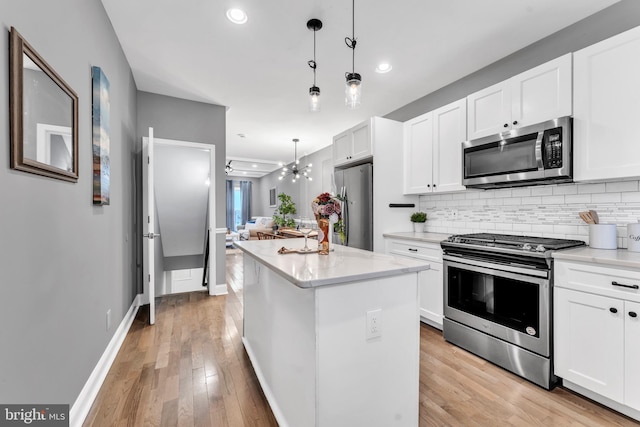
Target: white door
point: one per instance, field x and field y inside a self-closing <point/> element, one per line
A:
<point x="542" y="93"/>
<point x="489" y="111"/>
<point x="606" y="108"/>
<point x="589" y="341"/>
<point x="449" y="131"/>
<point x="632" y="354"/>
<point x="418" y="154"/>
<point x="361" y="141"/>
<point x="148" y="212"/>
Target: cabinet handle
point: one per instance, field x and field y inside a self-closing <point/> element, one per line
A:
<point x="434" y="186"/>
<point x="506" y="125"/>
<point x="614" y="283"/>
<point x="515" y="122"/>
<point x="413" y="250"/>
<point x="428" y="185"/>
<point x="613" y="310"/>
<point x="633" y="314"/>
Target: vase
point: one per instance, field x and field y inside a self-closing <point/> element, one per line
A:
<point x="418" y="227"/>
<point x="323" y="225"/>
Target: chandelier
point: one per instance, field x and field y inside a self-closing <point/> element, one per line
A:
<point x="295" y="172"/>
<point x="228" y="168"/>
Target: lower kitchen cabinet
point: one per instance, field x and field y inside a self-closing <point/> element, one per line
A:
<point x="597" y="333"/>
<point x="430" y="282"/>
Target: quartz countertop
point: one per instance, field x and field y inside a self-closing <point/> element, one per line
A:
<point x="420" y="237"/>
<point x="613" y="257"/>
<point x="341" y="266"/>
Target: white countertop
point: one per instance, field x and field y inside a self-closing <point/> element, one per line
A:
<point x="342" y="265"/>
<point x="614" y="257"/>
<point x="420" y="237"/>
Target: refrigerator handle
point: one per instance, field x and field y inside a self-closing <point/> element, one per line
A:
<point x="345" y="213"/>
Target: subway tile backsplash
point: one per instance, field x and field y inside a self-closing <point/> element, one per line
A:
<point x="547" y="211"/>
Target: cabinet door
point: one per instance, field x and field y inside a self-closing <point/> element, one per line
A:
<point x="589" y="341"/>
<point x="632" y="355"/>
<point x="431" y="294"/>
<point x="489" y="111"/>
<point x="361" y="141"/>
<point x="342" y="148"/>
<point x="449" y="131"/>
<point x="606" y="108"/>
<point x="417" y="154"/>
<point x="542" y="93"/>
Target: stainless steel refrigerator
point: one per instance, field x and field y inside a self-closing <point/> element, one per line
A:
<point x="356" y="186"/>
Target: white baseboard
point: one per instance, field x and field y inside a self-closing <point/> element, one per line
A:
<point x="82" y="405"/>
<point x="220" y="289"/>
<point x="623" y="409"/>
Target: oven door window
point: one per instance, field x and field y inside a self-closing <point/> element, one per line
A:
<point x="502" y="157"/>
<point x="508" y="302"/>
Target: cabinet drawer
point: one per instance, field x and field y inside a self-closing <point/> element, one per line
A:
<point x="422" y="251"/>
<point x="618" y="282"/>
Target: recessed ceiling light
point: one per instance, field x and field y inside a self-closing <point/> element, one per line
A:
<point x="254" y="165"/>
<point x="237" y="16"/>
<point x="383" y="67"/>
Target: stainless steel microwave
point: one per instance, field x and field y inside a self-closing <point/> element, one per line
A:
<point x="530" y="155"/>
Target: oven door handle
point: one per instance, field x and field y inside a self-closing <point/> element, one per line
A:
<point x="498" y="269"/>
<point x="539" y="160"/>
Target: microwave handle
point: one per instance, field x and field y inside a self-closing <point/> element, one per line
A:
<point x="539" y="160"/>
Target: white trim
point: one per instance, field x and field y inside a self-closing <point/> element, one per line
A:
<point x="616" y="406"/>
<point x="220" y="289"/>
<point x="83" y="403"/>
<point x="277" y="412"/>
<point x="221" y="231"/>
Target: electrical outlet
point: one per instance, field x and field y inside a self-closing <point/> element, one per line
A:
<point x="108" y="319"/>
<point x="454" y="213"/>
<point x="374" y="324"/>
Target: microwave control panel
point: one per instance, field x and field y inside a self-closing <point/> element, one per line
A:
<point x="552" y="148"/>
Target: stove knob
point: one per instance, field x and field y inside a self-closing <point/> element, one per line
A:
<point x="526" y="247"/>
<point x="540" y="248"/>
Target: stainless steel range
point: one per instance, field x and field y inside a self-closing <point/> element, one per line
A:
<point x="498" y="300"/>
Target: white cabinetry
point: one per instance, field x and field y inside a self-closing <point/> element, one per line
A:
<point x="433" y="150"/>
<point x="354" y="144"/>
<point x="597" y="333"/>
<point x="430" y="282"/>
<point x="536" y="95"/>
<point x="606" y="109"/>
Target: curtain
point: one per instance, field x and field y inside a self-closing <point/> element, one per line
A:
<point x="245" y="191"/>
<point x="230" y="220"/>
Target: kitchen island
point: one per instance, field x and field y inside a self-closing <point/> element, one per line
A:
<point x="334" y="339"/>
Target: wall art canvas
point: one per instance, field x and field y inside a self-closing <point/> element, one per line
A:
<point x="101" y="162"/>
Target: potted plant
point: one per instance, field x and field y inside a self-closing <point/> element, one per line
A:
<point x="283" y="217"/>
<point x="418" y="219"/>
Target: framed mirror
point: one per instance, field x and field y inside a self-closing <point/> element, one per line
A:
<point x="44" y="115"/>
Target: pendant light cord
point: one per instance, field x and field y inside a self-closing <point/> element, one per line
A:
<point x="351" y="42"/>
<point x="313" y="63"/>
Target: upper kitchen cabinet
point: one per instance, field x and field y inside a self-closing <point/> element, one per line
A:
<point x="354" y="144"/>
<point x="606" y="109"/>
<point x="433" y="150"/>
<point x="539" y="94"/>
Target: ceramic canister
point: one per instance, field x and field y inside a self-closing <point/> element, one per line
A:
<point x="633" y="237"/>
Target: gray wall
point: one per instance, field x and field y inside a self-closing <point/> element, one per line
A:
<point x="613" y="20"/>
<point x="183" y="120"/>
<point x="63" y="261"/>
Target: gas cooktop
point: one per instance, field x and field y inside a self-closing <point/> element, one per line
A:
<point x="512" y="242"/>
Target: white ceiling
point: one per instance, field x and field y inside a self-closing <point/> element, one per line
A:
<point x="188" y="49"/>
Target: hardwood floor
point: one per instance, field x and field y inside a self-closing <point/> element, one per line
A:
<point x="190" y="369"/>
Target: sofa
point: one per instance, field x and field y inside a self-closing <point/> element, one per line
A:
<point x="258" y="223"/>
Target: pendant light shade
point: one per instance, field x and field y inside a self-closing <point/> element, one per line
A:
<point x="353" y="90"/>
<point x="314" y="91"/>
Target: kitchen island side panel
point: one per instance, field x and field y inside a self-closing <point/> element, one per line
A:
<point x="279" y="335"/>
<point x="371" y="382"/>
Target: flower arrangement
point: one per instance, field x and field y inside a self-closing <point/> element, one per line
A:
<point x="328" y="207"/>
<point x="418" y="217"/>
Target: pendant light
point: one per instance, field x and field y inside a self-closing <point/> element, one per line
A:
<point x="314" y="91"/>
<point x="296" y="173"/>
<point x="353" y="91"/>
